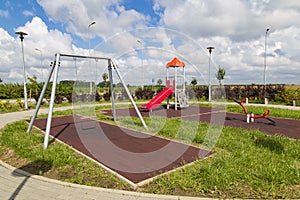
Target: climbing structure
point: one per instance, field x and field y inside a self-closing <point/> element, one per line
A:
<point x="181" y="100"/>
<point x="178" y="88"/>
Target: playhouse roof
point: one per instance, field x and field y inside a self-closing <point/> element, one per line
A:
<point x="175" y="63"/>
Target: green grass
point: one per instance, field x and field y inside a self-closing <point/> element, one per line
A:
<point x="58" y="160"/>
<point x="247" y="164"/>
<point x="274" y="112"/>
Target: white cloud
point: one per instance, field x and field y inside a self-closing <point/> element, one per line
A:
<point x="236" y="28"/>
<point x="48" y="41"/>
<point x="28" y="13"/>
<point x="7" y="52"/>
<point x="4" y="13"/>
<point x="110" y="17"/>
<point x="239" y="20"/>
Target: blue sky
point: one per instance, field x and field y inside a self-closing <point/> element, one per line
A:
<point x="184" y="29"/>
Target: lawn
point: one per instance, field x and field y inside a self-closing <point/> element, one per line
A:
<point x="247" y="164"/>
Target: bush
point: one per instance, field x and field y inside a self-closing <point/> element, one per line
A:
<point x="106" y="96"/>
<point x="145" y="93"/>
<point x="20" y="103"/>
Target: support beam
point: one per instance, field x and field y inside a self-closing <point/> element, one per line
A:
<point x="50" y="112"/>
<point x="38" y="105"/>
<point x="129" y="95"/>
<point x="112" y="89"/>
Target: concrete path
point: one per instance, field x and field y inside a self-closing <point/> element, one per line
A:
<point x="17" y="184"/>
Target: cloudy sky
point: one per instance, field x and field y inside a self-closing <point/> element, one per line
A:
<point x="143" y="35"/>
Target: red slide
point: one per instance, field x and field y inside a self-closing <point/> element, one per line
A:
<point x="158" y="99"/>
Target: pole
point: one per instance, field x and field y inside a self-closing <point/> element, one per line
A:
<point x="112" y="89"/>
<point x="209" y="81"/>
<point x="142" y="62"/>
<point x="21" y="35"/>
<point x="91" y="24"/>
<point x="265" y="66"/>
<point x="129" y="95"/>
<point x="25" y="89"/>
<point x="38" y="105"/>
<point x="175" y="87"/>
<point x="50" y="112"/>
<point x="41" y="63"/>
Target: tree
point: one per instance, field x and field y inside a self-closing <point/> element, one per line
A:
<point x="194" y="82"/>
<point x="33" y="87"/>
<point x="220" y="74"/>
<point x="1" y="80"/>
<point x="104" y="77"/>
<point x="159" y="82"/>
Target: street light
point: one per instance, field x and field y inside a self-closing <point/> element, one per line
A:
<point x="265" y="66"/>
<point x="209" y="82"/>
<point x="41" y="55"/>
<point x="91" y="24"/>
<point x="142" y="62"/>
<point x="21" y="36"/>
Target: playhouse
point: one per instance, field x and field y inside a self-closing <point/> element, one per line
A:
<point x="175" y="84"/>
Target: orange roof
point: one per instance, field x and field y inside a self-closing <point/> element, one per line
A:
<point x="175" y="63"/>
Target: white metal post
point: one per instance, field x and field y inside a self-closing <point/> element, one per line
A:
<point x="91" y="24"/>
<point x="175" y="86"/>
<point x="265" y="67"/>
<point x="184" y="79"/>
<point x="25" y="90"/>
<point x="22" y="35"/>
<point x="129" y="95"/>
<point x="50" y="112"/>
<point x="209" y="81"/>
<point x="112" y="89"/>
<point x="40" y="100"/>
<point x="168" y="98"/>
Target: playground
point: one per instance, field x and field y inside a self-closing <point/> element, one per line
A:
<point x="97" y="140"/>
<point x="123" y="151"/>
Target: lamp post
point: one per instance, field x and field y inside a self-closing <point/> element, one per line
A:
<point x="265" y="67"/>
<point x="41" y="55"/>
<point x="21" y="36"/>
<point x="140" y="42"/>
<point x="91" y="24"/>
<point x="209" y="81"/>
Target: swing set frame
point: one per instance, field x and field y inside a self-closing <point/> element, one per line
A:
<point x="54" y="72"/>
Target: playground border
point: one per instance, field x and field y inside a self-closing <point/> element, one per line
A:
<point x="64" y="130"/>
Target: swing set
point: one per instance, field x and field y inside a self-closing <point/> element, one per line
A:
<point x="54" y="72"/>
<point x="250" y="116"/>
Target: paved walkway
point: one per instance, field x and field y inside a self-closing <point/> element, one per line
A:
<point x="17" y="184"/>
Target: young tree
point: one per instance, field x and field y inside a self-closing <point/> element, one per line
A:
<point x="104" y="77"/>
<point x="220" y="74"/>
<point x="159" y="82"/>
<point x="33" y="87"/>
<point x="194" y="82"/>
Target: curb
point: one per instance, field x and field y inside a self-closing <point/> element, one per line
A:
<point x="129" y="194"/>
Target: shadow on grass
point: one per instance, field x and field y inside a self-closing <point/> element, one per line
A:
<point x="270" y="143"/>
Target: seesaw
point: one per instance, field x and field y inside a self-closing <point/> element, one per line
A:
<point x="251" y="116"/>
